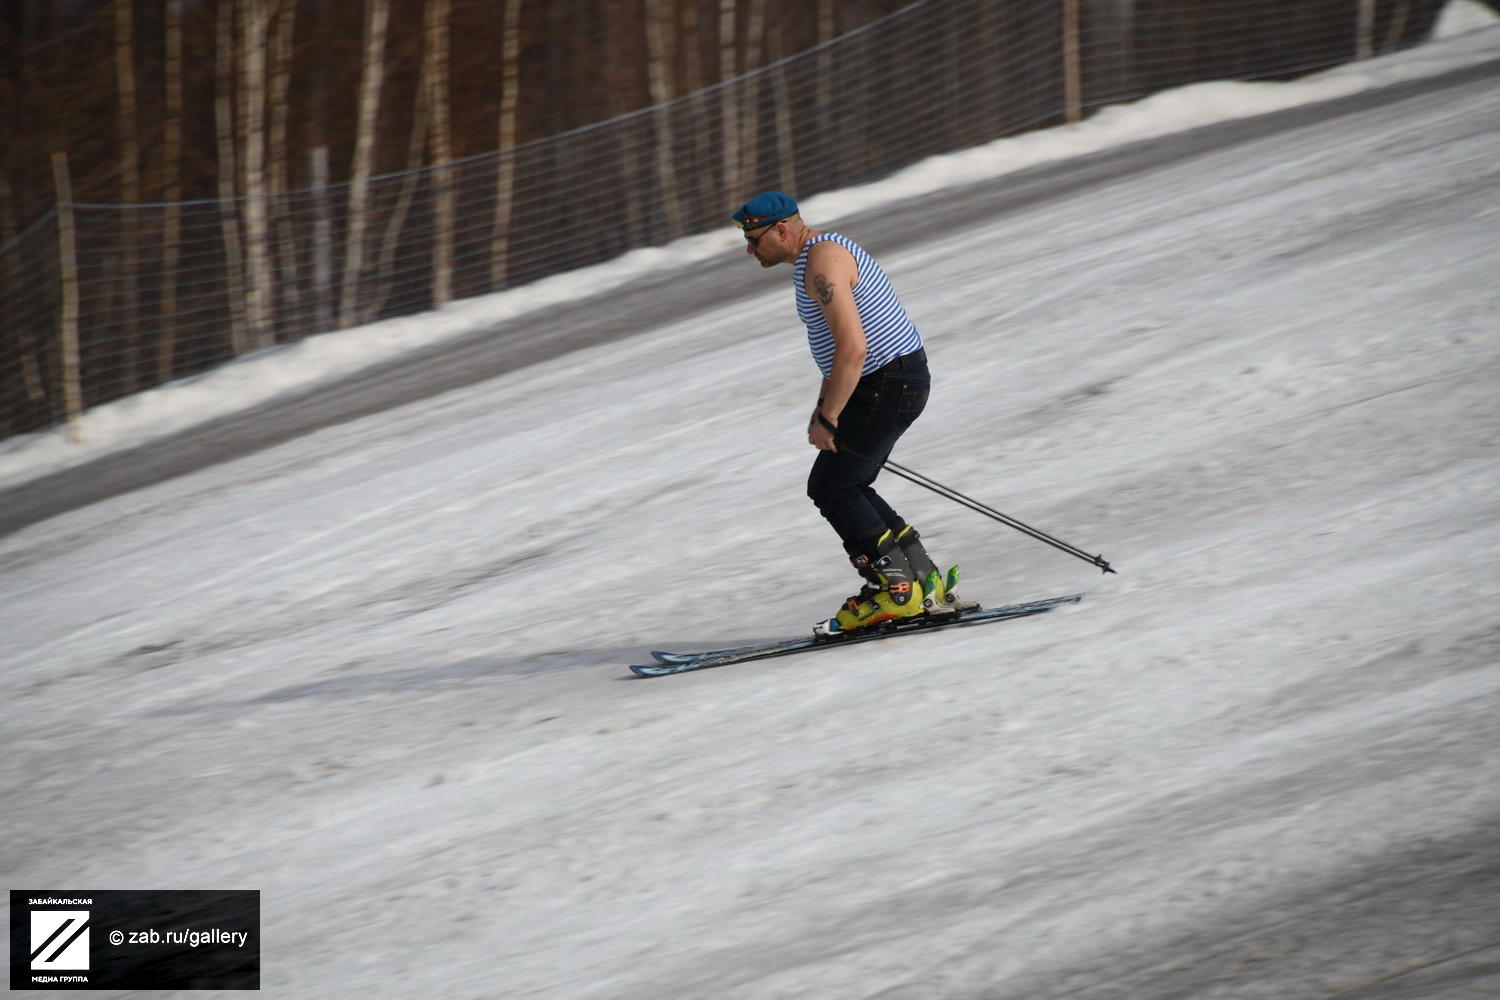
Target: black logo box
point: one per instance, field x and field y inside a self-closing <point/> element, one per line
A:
<point x="139" y="963"/>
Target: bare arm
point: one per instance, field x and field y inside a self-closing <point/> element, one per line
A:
<point x="831" y="276"/>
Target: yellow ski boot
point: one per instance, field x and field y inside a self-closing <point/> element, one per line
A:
<point x="891" y="592"/>
<point x="939" y="596"/>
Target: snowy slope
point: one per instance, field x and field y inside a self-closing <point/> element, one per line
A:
<point x="379" y="672"/>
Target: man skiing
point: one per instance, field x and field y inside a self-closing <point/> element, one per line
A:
<point x="875" y="384"/>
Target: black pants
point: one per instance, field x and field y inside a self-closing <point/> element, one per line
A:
<point x="883" y="406"/>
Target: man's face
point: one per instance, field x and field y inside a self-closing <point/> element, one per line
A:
<point x="767" y="244"/>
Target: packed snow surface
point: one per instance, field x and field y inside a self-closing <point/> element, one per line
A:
<point x="379" y="672"/>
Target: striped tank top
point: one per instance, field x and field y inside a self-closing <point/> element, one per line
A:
<point x="889" y="333"/>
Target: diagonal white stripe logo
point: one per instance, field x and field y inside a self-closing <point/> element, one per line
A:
<point x="59" y="939"/>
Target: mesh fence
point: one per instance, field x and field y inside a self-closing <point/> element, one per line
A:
<point x="168" y="290"/>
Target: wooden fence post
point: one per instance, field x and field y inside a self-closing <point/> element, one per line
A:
<point x="67" y="252"/>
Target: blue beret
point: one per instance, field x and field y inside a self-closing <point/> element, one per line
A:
<point x="764" y="209"/>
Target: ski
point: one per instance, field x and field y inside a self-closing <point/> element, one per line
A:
<point x="677" y="663"/>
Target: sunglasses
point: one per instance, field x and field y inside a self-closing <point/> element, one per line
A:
<point x="754" y="241"/>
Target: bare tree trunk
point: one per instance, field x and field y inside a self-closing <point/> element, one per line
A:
<point x="749" y="115"/>
<point x="1130" y="85"/>
<point x="729" y="102"/>
<point x="322" y="260"/>
<point x="278" y="163"/>
<point x="384" y="261"/>
<point x="166" y="336"/>
<point x="786" y="148"/>
<point x="1398" y="25"/>
<point x="660" y="43"/>
<point x="228" y="207"/>
<point x="827" y="28"/>
<point x="827" y="20"/>
<point x="255" y="22"/>
<point x="278" y="166"/>
<point x="755" y="36"/>
<point x="67" y="248"/>
<point x="701" y="145"/>
<point x="130" y="165"/>
<point x="505" y="181"/>
<point x="322" y="249"/>
<point x="692" y="55"/>
<point x="620" y="80"/>
<point x="130" y="183"/>
<point x="377" y="15"/>
<point x="1072" y="75"/>
<point x="750" y="111"/>
<point x="438" y="100"/>
<point x="1364" y="30"/>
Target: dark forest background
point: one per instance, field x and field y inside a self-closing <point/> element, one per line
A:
<point x="574" y="62"/>
<point x="183" y="182"/>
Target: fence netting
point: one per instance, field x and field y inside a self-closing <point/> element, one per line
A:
<point x="169" y="290"/>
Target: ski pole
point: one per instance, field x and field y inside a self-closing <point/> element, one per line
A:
<point x="975" y="505"/>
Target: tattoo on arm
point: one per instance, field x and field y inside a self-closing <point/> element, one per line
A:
<point x="824" y="288"/>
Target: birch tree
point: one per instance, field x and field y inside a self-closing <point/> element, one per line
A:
<point x="224" y="76"/>
<point x="255" y="20"/>
<point x="379" y="271"/>
<point x="729" y="99"/>
<point x="1398" y="24"/>
<point x="435" y="75"/>
<point x="827" y="28"/>
<point x="130" y="178"/>
<point x="692" y="58"/>
<point x="700" y="144"/>
<point x="372" y="77"/>
<point x="660" y="42"/>
<point x="126" y="116"/>
<point x="748" y="117"/>
<point x="786" y="147"/>
<point x="505" y="176"/>
<point x="278" y="157"/>
<point x="620" y="79"/>
<point x="1072" y="64"/>
<point x="166" y="337"/>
